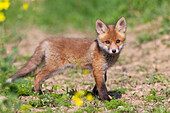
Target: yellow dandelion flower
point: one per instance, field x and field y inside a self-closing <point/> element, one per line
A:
<point x="25" y="6"/>
<point x="89" y="97"/>
<point x="1" y="5"/>
<point x="86" y="72"/>
<point x="74" y="97"/>
<point x="33" y="0"/>
<point x="80" y="93"/>
<point x="4" y="5"/>
<point x="2" y="17"/>
<point x="78" y="101"/>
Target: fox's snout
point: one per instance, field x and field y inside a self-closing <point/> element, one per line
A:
<point x="115" y="49"/>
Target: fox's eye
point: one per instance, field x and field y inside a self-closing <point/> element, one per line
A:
<point x="107" y="42"/>
<point x="117" y="41"/>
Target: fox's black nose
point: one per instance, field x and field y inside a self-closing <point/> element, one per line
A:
<point x="114" y="51"/>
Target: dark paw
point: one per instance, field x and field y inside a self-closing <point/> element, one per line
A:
<point x="106" y="97"/>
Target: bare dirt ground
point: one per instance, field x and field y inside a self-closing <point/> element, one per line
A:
<point x="137" y="67"/>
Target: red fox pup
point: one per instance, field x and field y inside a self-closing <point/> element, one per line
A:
<point x="60" y="53"/>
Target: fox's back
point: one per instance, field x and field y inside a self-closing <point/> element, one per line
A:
<point x="71" y="46"/>
<point x="69" y="50"/>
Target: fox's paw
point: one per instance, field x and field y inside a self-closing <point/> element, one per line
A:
<point x="105" y="97"/>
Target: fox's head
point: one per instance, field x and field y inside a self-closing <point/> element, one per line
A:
<point x="111" y="38"/>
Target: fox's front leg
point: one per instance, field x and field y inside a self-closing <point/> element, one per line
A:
<point x="95" y="92"/>
<point x="100" y="83"/>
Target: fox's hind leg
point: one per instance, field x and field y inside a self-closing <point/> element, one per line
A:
<point x="50" y="68"/>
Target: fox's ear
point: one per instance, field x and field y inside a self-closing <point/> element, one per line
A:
<point x="121" y="25"/>
<point x="101" y="28"/>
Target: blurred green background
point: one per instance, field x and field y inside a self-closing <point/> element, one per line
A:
<point x="59" y="15"/>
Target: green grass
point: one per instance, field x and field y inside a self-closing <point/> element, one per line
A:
<point x="142" y="69"/>
<point x="150" y="36"/>
<point x="159" y="109"/>
<point x="155" y="78"/>
<point x="115" y="104"/>
<point x="144" y="38"/>
<point x="153" y="96"/>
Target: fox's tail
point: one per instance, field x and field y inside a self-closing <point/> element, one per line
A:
<point x="31" y="65"/>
